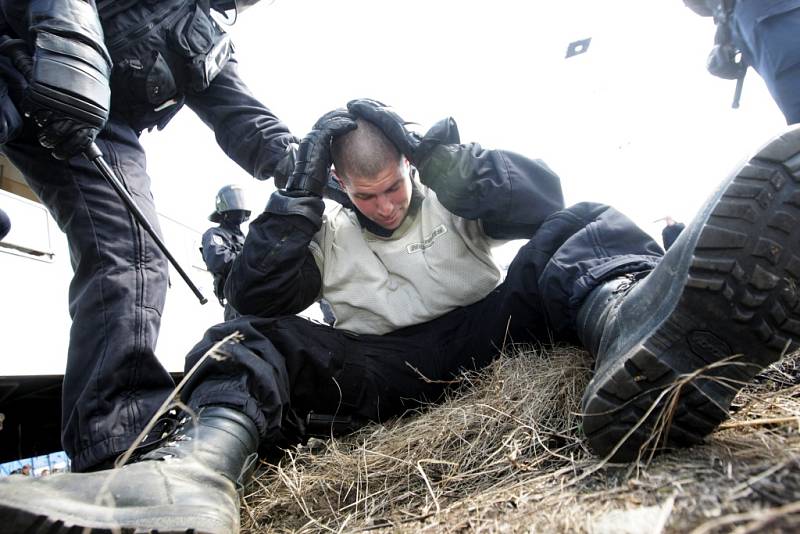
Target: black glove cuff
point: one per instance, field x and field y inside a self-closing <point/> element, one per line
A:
<point x="296" y="203"/>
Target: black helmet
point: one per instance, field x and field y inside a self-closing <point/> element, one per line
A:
<point x="229" y="198"/>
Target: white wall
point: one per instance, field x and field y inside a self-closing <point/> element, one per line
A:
<point x="34" y="321"/>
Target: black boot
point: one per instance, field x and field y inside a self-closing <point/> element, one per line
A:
<point x="189" y="484"/>
<point x="728" y="288"/>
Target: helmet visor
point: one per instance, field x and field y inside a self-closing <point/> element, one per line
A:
<point x="229" y="198"/>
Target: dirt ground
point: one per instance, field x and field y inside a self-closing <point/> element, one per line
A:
<point x="505" y="453"/>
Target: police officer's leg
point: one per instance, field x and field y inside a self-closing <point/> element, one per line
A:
<point x="720" y="306"/>
<point x="772" y="45"/>
<point x="113" y="382"/>
<point x="253" y="391"/>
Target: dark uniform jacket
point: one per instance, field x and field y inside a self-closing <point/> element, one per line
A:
<point x="160" y="51"/>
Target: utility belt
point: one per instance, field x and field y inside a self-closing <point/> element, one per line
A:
<point x="162" y="50"/>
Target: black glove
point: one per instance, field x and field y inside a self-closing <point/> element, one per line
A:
<point x="425" y="153"/>
<point x="417" y="149"/>
<point x="310" y="174"/>
<point x="722" y="62"/>
<point x="63" y="135"/>
<point x="390" y="123"/>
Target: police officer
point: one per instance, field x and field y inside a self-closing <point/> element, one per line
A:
<point x="5" y="224"/>
<point x="672" y="229"/>
<point x="105" y="71"/>
<point x="223" y="243"/>
<point x="766" y="33"/>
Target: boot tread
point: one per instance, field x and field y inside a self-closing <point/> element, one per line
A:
<point x="740" y="297"/>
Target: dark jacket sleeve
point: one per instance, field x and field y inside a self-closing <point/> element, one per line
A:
<point x="246" y="130"/>
<point x="510" y="194"/>
<point x="276" y="273"/>
<point x="218" y="258"/>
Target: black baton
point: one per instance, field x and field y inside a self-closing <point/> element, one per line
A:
<point x="94" y="155"/>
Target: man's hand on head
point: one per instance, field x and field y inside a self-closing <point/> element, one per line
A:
<point x="417" y="149"/>
<point x="313" y="163"/>
<point x="390" y="123"/>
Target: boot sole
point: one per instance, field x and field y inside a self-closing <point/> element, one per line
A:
<point x="27" y="522"/>
<point x="737" y="311"/>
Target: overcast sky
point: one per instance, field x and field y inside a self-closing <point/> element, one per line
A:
<point x="635" y="122"/>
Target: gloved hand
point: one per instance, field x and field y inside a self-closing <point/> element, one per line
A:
<point x="310" y="174"/>
<point x="425" y="153"/>
<point x="65" y="136"/>
<point x="722" y="62"/>
<point x="390" y="123"/>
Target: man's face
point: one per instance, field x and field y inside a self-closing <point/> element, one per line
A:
<point x="383" y="198"/>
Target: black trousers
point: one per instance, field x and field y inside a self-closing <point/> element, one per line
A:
<point x="288" y="367"/>
<point x="113" y="382"/>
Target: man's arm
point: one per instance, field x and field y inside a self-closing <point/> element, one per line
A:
<point x="246" y="130"/>
<point x="509" y="193"/>
<point x="276" y="273"/>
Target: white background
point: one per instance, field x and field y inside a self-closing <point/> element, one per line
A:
<point x="635" y="122"/>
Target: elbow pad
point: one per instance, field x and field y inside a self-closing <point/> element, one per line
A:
<point x="71" y="66"/>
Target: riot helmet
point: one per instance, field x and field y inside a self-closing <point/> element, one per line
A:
<point x="229" y="199"/>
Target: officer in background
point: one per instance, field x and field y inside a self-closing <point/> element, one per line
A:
<point x="672" y="229"/>
<point x="105" y="71"/>
<point x="766" y="35"/>
<point x="5" y="224"/>
<point x="223" y="243"/>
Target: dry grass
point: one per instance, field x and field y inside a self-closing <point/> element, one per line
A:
<point x="505" y="454"/>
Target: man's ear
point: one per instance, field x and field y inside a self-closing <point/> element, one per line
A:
<point x="406" y="165"/>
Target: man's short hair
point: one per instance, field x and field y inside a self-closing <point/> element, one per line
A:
<point x="363" y="152"/>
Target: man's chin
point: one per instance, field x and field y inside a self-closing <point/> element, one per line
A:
<point x="392" y="224"/>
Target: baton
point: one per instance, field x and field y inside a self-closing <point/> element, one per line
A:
<point x="94" y="155"/>
<point x="737" y="93"/>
